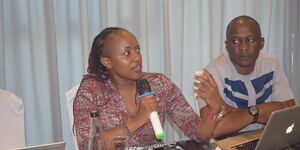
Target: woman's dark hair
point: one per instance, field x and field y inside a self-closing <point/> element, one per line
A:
<point x="95" y="66"/>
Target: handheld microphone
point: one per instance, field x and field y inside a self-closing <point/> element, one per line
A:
<point x="144" y="89"/>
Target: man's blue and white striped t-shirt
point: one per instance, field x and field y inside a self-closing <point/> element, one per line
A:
<point x="266" y="83"/>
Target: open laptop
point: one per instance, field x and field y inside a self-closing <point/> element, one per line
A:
<point x="50" y="146"/>
<point x="282" y="130"/>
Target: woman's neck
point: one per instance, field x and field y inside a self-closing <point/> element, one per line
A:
<point x="123" y="83"/>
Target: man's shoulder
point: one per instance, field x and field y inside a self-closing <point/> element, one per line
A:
<point x="218" y="65"/>
<point x="219" y="61"/>
<point x="267" y="60"/>
<point x="267" y="56"/>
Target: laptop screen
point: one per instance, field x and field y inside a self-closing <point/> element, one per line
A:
<point x="283" y="128"/>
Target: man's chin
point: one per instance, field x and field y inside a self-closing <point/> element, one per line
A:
<point x="246" y="63"/>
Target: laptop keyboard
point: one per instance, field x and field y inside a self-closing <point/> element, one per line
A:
<point x="247" y="146"/>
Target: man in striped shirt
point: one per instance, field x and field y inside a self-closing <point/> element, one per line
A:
<point x="249" y="81"/>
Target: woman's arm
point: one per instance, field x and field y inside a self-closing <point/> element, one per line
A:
<point x="84" y="103"/>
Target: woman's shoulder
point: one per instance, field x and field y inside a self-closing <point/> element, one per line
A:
<point x="157" y="80"/>
<point x="90" y="80"/>
<point x="154" y="76"/>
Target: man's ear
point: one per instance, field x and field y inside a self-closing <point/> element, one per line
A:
<point x="226" y="44"/>
<point x="106" y="62"/>
<point x="262" y="43"/>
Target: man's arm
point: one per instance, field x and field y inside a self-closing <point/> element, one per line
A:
<point x="240" y="118"/>
<point x="266" y="109"/>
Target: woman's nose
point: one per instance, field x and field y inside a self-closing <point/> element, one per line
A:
<point x="137" y="56"/>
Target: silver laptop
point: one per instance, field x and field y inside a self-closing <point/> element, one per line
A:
<point x="282" y="130"/>
<point x="50" y="146"/>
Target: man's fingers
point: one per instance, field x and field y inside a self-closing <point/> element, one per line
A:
<point x="210" y="79"/>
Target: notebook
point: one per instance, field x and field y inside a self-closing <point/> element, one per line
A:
<point x="282" y="130"/>
<point x="50" y="146"/>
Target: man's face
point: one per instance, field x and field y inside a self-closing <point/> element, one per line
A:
<point x="243" y="45"/>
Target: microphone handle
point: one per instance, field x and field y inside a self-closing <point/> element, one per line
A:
<point x="154" y="118"/>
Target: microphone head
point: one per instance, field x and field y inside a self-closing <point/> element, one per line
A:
<point x="143" y="86"/>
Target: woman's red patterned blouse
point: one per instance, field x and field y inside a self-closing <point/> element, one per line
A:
<point x="104" y="97"/>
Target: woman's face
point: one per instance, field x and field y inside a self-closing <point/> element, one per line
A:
<point x="121" y="55"/>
